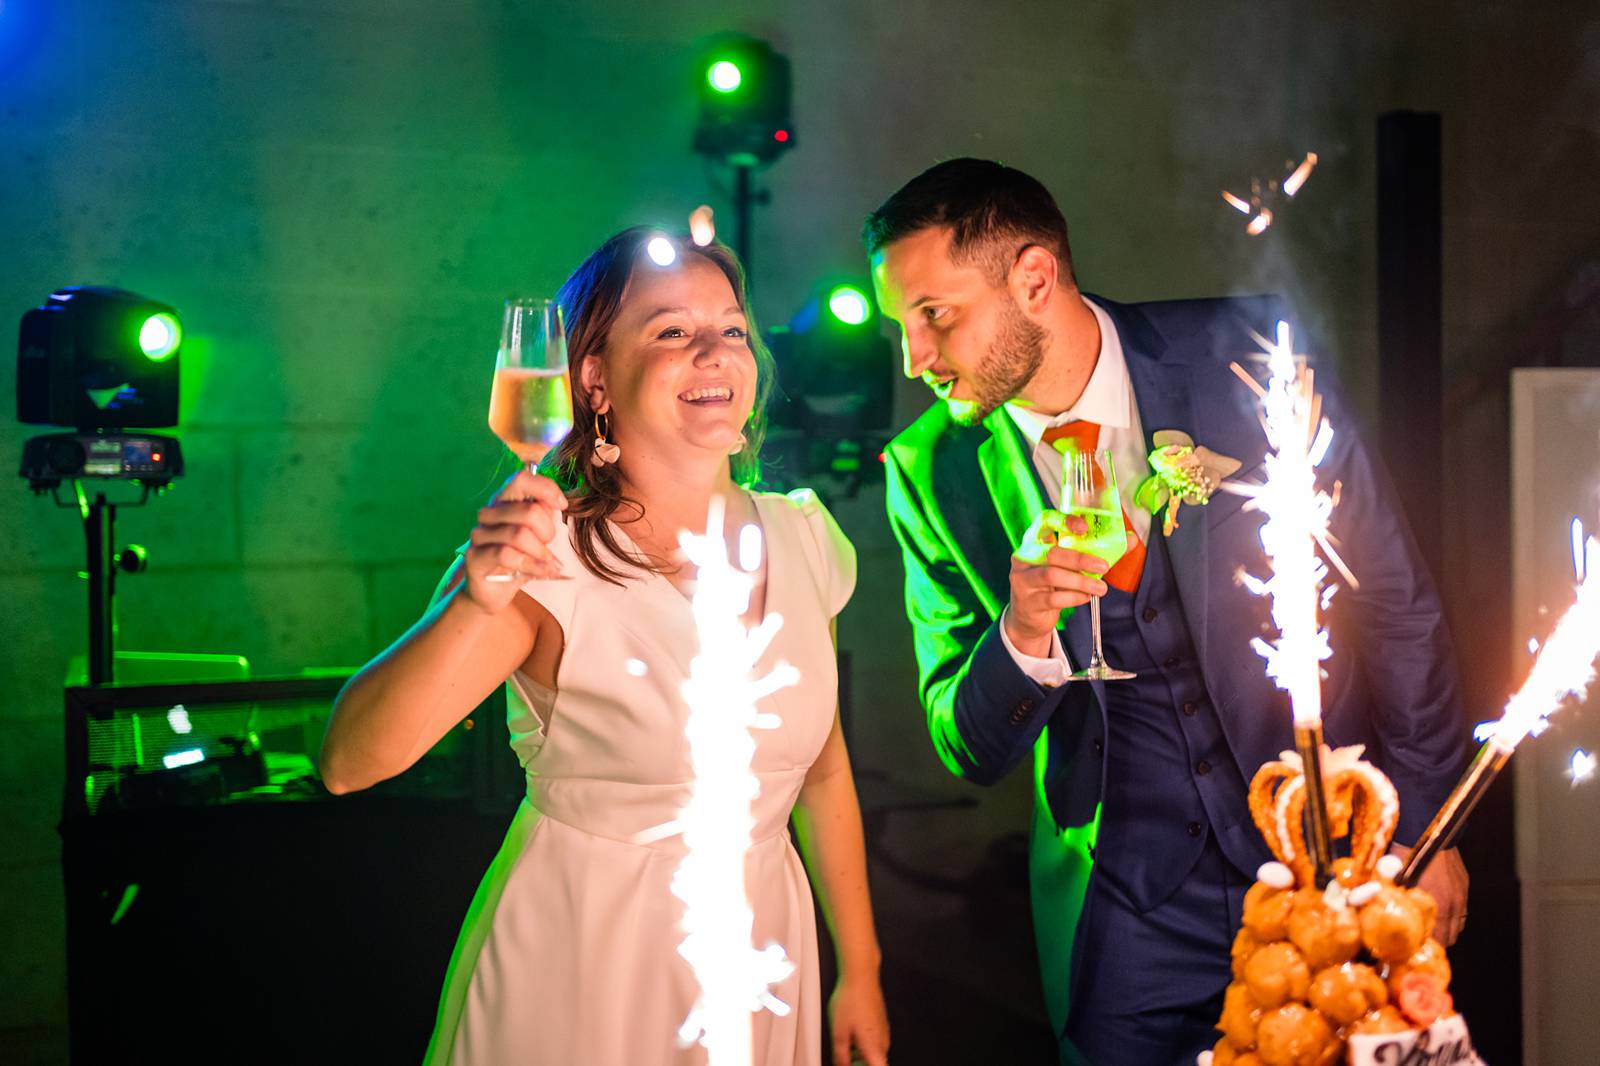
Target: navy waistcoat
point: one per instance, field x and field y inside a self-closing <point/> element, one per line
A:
<point x="1171" y="781"/>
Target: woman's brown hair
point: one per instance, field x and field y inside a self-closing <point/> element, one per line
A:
<point x="591" y="300"/>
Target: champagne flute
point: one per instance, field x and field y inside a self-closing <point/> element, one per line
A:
<point x="530" y="403"/>
<point x="1089" y="492"/>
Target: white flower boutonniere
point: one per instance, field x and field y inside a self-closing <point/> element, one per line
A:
<point x="1183" y="472"/>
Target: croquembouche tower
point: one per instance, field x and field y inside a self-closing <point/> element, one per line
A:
<point x="1347" y="969"/>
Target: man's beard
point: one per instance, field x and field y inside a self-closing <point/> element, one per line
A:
<point x="1013" y="358"/>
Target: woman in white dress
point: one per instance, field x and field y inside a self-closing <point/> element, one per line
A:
<point x="569" y="954"/>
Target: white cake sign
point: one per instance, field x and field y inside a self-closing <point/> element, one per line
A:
<point x="1444" y="1043"/>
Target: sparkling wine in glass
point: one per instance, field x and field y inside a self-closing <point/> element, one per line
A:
<point x="1089" y="492"/>
<point x="530" y="403"/>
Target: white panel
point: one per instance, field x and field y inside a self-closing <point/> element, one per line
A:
<point x="1555" y="477"/>
<point x="1567" y="938"/>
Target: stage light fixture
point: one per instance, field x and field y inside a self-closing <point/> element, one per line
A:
<point x="101" y="361"/>
<point x="744" y="103"/>
<point x="835" y="369"/>
<point x="98" y="358"/>
<point x="744" y="122"/>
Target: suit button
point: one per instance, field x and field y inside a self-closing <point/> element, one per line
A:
<point x="1202" y="768"/>
<point x="1099" y="746"/>
<point x="1193" y="829"/>
<point x="1150" y="614"/>
<point x="1019" y="713"/>
<point x="1190" y="707"/>
<point x="1171" y="661"/>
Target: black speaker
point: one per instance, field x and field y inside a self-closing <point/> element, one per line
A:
<point x="222" y="907"/>
<point x="283" y="932"/>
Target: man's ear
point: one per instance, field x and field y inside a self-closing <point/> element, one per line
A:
<point x="593" y="383"/>
<point x="1034" y="278"/>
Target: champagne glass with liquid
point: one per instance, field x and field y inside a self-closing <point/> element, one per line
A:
<point x="530" y="403"/>
<point x="1089" y="492"/>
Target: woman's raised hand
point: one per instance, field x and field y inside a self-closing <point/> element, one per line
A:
<point x="511" y="541"/>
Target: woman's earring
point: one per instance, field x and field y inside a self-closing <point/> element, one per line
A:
<point x="604" y="451"/>
<point x="739" y="445"/>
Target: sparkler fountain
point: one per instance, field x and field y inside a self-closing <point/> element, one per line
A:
<point x="1564" y="668"/>
<point x="735" y="977"/>
<point x="1297" y="524"/>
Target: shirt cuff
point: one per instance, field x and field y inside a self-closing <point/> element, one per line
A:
<point x="1048" y="672"/>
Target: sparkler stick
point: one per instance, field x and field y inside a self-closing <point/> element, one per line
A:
<point x="735" y="977"/>
<point x="1297" y="522"/>
<point x="1564" y="667"/>
<point x="1441" y="832"/>
<point x="1308" y="742"/>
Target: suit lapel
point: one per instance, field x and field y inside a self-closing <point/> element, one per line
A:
<point x="1009" y="472"/>
<point x="1019" y="495"/>
<point x="1162" y="391"/>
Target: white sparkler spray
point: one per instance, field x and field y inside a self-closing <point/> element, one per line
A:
<point x="1297" y="524"/>
<point x="735" y="977"/>
<point x="1564" y="668"/>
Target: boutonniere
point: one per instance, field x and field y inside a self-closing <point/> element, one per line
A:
<point x="1183" y="472"/>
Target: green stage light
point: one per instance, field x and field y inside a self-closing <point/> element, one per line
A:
<point x="837" y="369"/>
<point x="724" y="76"/>
<point x="99" y="358"/>
<point x="160" y="336"/>
<point x="849" y="305"/>
<point x="744" y="90"/>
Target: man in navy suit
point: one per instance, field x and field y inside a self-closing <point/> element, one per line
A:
<point x="1142" y="844"/>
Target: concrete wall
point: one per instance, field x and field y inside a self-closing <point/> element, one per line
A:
<point x="338" y="196"/>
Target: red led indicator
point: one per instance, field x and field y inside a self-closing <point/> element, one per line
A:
<point x="781" y="136"/>
<point x="155" y="457"/>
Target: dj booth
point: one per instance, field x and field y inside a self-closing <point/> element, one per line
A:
<point x="222" y="907"/>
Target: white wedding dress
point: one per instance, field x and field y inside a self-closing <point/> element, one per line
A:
<point x="568" y="956"/>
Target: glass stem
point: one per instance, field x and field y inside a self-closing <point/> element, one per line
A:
<point x="1097" y="659"/>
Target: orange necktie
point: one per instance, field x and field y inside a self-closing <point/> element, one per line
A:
<point x="1083" y="436"/>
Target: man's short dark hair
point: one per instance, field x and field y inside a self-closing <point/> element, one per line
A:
<point x="993" y="211"/>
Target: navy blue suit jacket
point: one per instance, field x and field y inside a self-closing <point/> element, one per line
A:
<point x="960" y="499"/>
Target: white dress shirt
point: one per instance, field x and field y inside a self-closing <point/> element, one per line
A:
<point x="1108" y="400"/>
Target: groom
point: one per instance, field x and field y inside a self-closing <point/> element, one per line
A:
<point x="1143" y="845"/>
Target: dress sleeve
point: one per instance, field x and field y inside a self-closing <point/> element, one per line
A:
<point x="558" y="595"/>
<point x="834" y="557"/>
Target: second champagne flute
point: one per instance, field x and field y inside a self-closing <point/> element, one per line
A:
<point x="1089" y="492"/>
<point x="530" y="403"/>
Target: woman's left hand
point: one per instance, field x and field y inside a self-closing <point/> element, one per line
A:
<point x="859" y="1022"/>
